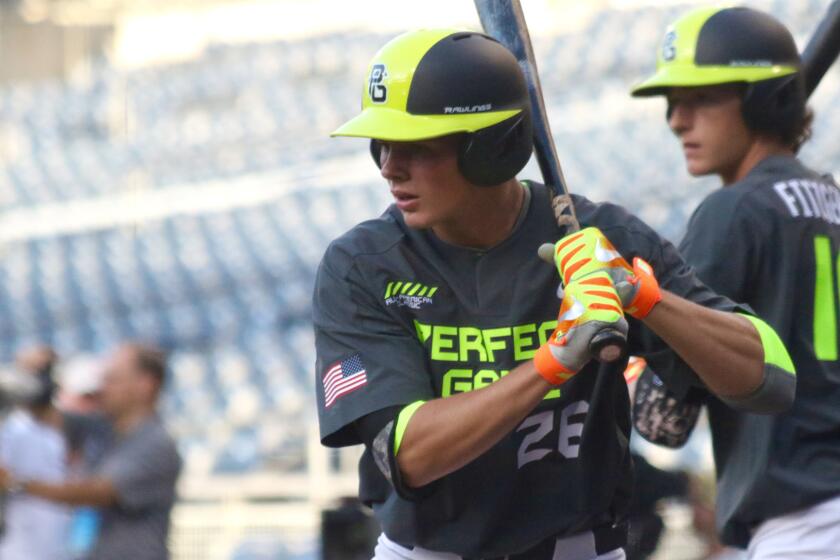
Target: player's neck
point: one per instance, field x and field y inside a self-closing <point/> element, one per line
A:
<point x="488" y="220"/>
<point x="759" y="150"/>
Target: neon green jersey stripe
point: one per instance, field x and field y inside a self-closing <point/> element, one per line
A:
<point x="388" y="291"/>
<point x="432" y="292"/>
<point x="416" y="289"/>
<point x="825" y="319"/>
<point x="402" y="423"/>
<point x="406" y="287"/>
<point x="775" y="352"/>
<point x="423" y="291"/>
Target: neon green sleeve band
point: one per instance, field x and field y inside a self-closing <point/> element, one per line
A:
<point x="775" y="352"/>
<point x="402" y="423"/>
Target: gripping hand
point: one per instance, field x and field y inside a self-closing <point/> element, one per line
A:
<point x="589" y="309"/>
<point x="587" y="251"/>
<point x="637" y="288"/>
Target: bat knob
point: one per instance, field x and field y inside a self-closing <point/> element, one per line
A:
<point x="546" y="252"/>
<point x="608" y="346"/>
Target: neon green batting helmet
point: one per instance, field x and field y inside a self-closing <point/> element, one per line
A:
<point x="714" y="45"/>
<point x="437" y="82"/>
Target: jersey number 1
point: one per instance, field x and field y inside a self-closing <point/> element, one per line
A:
<point x="825" y="317"/>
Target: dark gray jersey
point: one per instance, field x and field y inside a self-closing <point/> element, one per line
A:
<point x="772" y="241"/>
<point x="400" y="316"/>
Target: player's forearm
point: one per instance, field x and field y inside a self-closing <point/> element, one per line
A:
<point x="94" y="492"/>
<point x="738" y="356"/>
<point x="445" y="434"/>
<point x="723" y="348"/>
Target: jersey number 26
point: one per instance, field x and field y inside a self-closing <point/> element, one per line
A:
<point x="544" y="421"/>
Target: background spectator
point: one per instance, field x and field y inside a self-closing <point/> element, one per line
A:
<point x="135" y="483"/>
<point x="33" y="447"/>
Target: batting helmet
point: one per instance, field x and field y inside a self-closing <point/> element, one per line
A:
<point x="432" y="83"/>
<point x="711" y="46"/>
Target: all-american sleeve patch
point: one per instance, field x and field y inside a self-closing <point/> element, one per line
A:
<point x="343" y="377"/>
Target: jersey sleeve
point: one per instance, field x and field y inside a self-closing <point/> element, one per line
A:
<point x="366" y="360"/>
<point x="724" y="242"/>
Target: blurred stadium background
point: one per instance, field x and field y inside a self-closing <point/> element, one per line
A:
<point x="166" y="174"/>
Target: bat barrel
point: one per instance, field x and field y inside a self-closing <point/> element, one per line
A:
<point x="822" y="48"/>
<point x="504" y="20"/>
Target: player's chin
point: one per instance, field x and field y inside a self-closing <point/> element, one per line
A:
<point x="416" y="220"/>
<point x="697" y="168"/>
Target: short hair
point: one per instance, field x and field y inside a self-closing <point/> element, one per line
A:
<point x="151" y="361"/>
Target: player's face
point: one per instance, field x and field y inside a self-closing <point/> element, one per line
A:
<point x="120" y="386"/>
<point x="708" y="121"/>
<point x="425" y="181"/>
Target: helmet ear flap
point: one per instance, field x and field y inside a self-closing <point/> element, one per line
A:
<point x="376" y="152"/>
<point x="669" y="110"/>
<point x="493" y="155"/>
<point x="771" y="105"/>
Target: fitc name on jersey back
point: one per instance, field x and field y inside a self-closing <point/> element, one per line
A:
<point x="810" y="199"/>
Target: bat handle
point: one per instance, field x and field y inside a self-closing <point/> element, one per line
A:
<point x="608" y="345"/>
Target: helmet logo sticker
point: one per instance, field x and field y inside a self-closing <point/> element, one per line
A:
<point x="669" y="49"/>
<point x="377" y="91"/>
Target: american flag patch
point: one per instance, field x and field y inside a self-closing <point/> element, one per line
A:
<point x="344" y="376"/>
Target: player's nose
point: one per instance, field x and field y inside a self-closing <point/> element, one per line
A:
<point x="679" y="116"/>
<point x="393" y="163"/>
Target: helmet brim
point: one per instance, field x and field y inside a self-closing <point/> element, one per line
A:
<point x="398" y="126"/>
<point x="685" y="75"/>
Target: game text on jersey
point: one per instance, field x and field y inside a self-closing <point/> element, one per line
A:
<point x="466" y="344"/>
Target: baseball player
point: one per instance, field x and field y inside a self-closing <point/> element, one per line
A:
<point x="770" y="238"/>
<point x="442" y="344"/>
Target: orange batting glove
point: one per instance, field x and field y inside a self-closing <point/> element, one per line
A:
<point x="581" y="254"/>
<point x="639" y="289"/>
<point x="589" y="307"/>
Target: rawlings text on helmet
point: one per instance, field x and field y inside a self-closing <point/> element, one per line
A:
<point x="470" y="109"/>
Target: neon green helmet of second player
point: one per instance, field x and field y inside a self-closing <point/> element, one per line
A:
<point x="714" y="45"/>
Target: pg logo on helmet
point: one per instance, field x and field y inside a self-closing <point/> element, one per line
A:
<point x="669" y="47"/>
<point x="378" y="91"/>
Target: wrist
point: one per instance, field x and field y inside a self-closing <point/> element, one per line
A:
<point x="648" y="294"/>
<point x="550" y="369"/>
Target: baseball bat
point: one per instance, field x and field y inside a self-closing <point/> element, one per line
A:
<point x="504" y="21"/>
<point x="822" y="48"/>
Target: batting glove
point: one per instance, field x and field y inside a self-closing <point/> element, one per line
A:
<point x="589" y="307"/>
<point x="637" y="287"/>
<point x="581" y="254"/>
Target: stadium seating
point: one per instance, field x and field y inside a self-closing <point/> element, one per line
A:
<point x="228" y="287"/>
